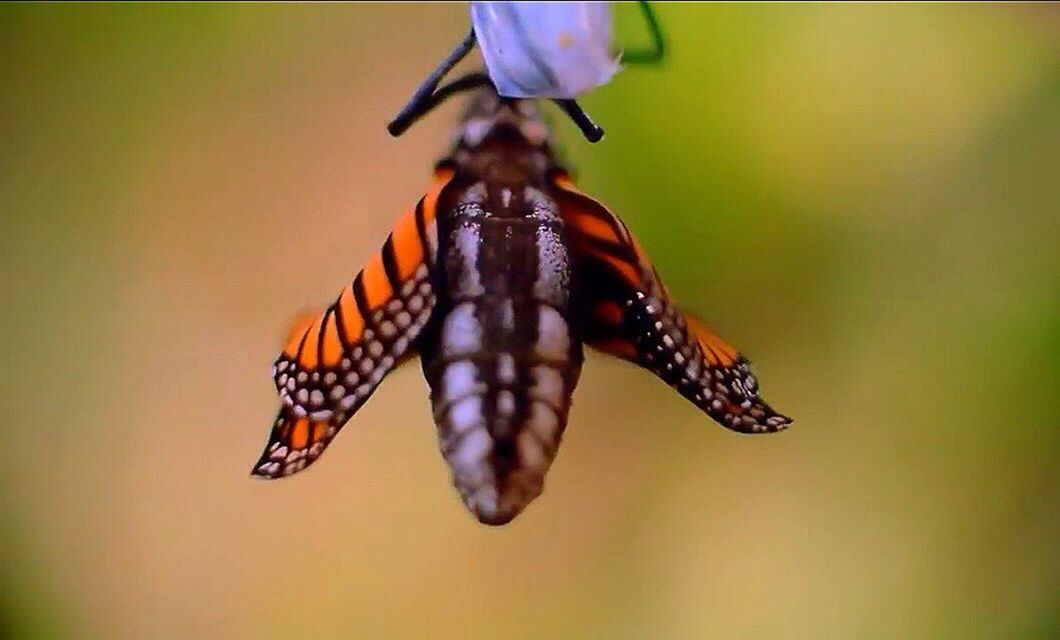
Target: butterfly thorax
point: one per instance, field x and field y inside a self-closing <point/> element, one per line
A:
<point x="501" y="141"/>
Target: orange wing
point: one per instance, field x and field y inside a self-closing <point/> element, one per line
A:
<point x="628" y="313"/>
<point x="333" y="362"/>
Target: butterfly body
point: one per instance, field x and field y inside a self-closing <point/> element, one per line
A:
<point x="503" y="357"/>
<point x="496" y="279"/>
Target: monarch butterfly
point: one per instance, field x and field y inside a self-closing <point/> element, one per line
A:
<point x="556" y="50"/>
<point x="496" y="279"/>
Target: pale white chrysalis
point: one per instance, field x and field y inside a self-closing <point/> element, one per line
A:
<point x="545" y="49"/>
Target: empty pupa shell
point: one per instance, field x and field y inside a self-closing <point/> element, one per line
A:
<point x="545" y="49"/>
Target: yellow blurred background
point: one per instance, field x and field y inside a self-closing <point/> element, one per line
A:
<point x="865" y="199"/>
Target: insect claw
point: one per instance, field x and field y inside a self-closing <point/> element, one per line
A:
<point x="591" y="131"/>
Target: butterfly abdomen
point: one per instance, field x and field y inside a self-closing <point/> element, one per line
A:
<point x="503" y="360"/>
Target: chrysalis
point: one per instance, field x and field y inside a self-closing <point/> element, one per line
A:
<point x="554" y="50"/>
<point x="545" y="49"/>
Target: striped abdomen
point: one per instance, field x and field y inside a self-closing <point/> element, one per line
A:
<point x="504" y="361"/>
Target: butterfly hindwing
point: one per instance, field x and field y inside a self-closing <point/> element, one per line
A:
<point x="332" y="363"/>
<point x="627" y="312"/>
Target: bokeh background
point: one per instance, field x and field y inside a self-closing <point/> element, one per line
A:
<point x="865" y="199"/>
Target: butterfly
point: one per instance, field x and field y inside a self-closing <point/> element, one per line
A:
<point x="497" y="279"/>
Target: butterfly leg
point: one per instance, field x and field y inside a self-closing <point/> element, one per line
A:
<point x="591" y="130"/>
<point x="421" y="101"/>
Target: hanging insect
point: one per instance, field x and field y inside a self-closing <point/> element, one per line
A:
<point x="555" y="50"/>
<point x="496" y="279"/>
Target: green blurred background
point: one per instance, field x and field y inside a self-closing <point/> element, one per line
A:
<point x="865" y="199"/>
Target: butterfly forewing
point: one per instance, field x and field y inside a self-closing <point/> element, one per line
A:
<point x="626" y="311"/>
<point x="332" y="364"/>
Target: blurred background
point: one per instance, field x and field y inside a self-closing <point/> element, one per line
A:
<point x="865" y="199"/>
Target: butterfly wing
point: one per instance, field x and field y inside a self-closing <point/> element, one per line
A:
<point x="334" y="361"/>
<point x="628" y="313"/>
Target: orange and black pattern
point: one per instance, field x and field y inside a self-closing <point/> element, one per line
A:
<point x="332" y="364"/>
<point x="496" y="280"/>
<point x="628" y="313"/>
